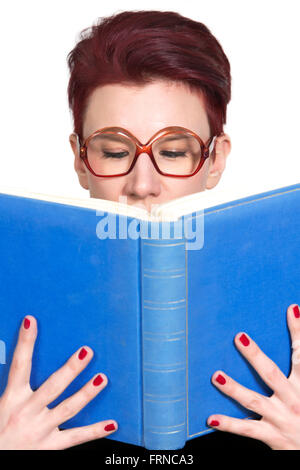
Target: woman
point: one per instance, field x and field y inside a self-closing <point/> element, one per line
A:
<point x="142" y="73"/>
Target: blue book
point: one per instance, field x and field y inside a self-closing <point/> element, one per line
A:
<point x="159" y="299"/>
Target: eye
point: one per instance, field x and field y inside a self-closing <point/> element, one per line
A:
<point x="115" y="155"/>
<point x="169" y="153"/>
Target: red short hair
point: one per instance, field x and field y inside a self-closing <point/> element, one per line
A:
<point x="137" y="47"/>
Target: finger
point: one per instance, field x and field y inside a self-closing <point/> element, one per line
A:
<point x="76" y="436"/>
<point x="265" y="367"/>
<point x="20" y="369"/>
<point x="293" y="320"/>
<point x="72" y="405"/>
<point x="250" y="399"/>
<point x="60" y="379"/>
<point x="254" y="429"/>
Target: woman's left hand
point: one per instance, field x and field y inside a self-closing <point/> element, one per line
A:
<point x="279" y="426"/>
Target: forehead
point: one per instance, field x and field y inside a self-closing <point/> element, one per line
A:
<point x="144" y="110"/>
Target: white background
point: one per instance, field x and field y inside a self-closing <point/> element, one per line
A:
<point x="260" y="37"/>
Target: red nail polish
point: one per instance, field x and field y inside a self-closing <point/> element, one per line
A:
<point x="109" y="427"/>
<point x="244" y="340"/>
<point x="97" y="380"/>
<point x="214" y="422"/>
<point x="26" y="323"/>
<point x="220" y="379"/>
<point x="82" y="354"/>
<point x="296" y="311"/>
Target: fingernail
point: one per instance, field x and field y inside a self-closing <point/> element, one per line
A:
<point x="244" y="340"/>
<point x="97" y="380"/>
<point x="26" y="323"/>
<point x="109" y="427"/>
<point x="296" y="311"/>
<point x="220" y="379"/>
<point x="82" y="354"/>
<point x="214" y="422"/>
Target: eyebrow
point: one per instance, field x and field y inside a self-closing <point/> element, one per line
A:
<point x="175" y="137"/>
<point x="118" y="138"/>
<point x="111" y="136"/>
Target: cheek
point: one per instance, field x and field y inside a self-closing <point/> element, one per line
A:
<point x="105" y="188"/>
<point x="198" y="182"/>
<point x="184" y="186"/>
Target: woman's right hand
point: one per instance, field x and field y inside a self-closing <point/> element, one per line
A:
<point x="25" y="420"/>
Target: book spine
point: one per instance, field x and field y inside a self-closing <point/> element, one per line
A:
<point x="163" y="289"/>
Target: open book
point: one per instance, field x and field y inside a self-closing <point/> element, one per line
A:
<point x="158" y="297"/>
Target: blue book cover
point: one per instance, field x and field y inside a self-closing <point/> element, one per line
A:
<point x="158" y="308"/>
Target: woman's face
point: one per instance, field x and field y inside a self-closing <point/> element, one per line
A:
<point x="143" y="111"/>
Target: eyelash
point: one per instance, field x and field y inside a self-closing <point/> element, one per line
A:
<point x="113" y="155"/>
<point x="177" y="154"/>
<point x="165" y="153"/>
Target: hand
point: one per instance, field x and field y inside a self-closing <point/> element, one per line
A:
<point x="279" y="426"/>
<point x="25" y="420"/>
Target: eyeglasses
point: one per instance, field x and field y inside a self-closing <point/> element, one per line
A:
<point x="174" y="151"/>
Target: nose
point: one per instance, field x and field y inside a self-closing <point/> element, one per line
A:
<point x="143" y="182"/>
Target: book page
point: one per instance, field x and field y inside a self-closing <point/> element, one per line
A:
<point x="174" y="209"/>
<point x="171" y="210"/>
<point x="104" y="205"/>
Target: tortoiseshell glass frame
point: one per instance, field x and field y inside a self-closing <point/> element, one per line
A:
<point x="206" y="148"/>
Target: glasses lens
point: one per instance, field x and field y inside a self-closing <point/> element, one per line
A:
<point x="177" y="154"/>
<point x="110" y="154"/>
